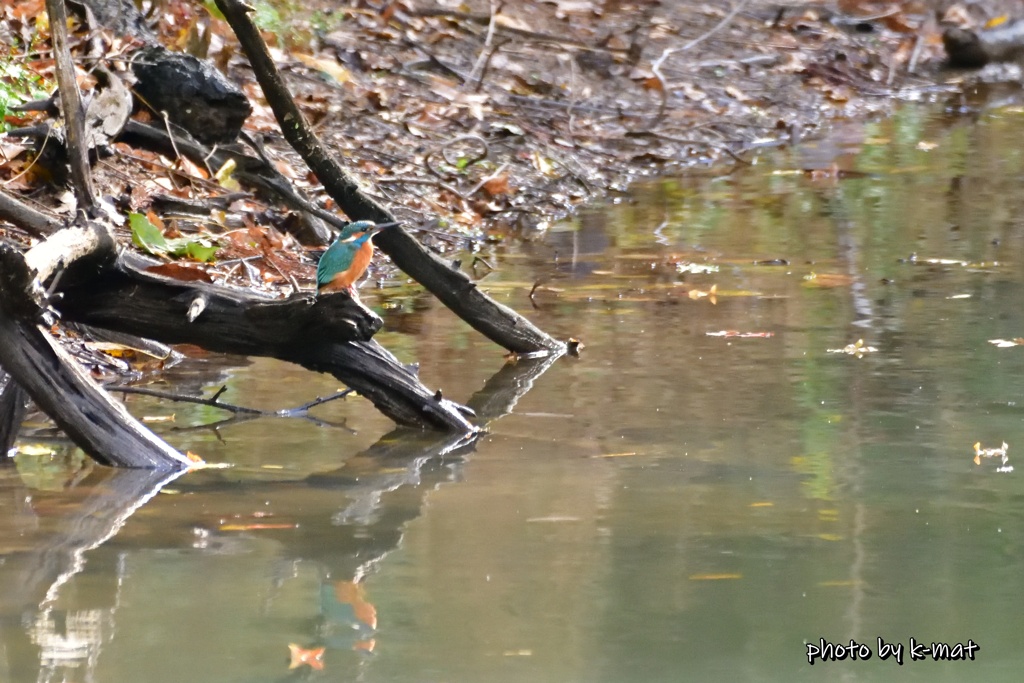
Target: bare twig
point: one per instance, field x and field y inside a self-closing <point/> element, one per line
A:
<point x="476" y="75"/>
<point x="304" y="408"/>
<point x="298" y="411"/>
<point x="403" y="180"/>
<point x="212" y="402"/>
<point x="71" y="104"/>
<point x="24" y="216"/>
<point x="915" y="54"/>
<point x="656" y="64"/>
<point x="476" y="188"/>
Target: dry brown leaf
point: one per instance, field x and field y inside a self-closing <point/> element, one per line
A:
<point x="498" y="186"/>
<point x="181" y="271"/>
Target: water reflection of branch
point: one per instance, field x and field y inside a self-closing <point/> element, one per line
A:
<point x="114" y="499"/>
<point x="502" y="391"/>
<point x="849" y="253"/>
<point x="13" y="403"/>
<point x="215" y="427"/>
<point x="399" y="457"/>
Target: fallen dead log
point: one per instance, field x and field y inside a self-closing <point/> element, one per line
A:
<point x="327" y="334"/>
<point x="974" y="49"/>
<point x="219" y="318"/>
<point x="96" y="423"/>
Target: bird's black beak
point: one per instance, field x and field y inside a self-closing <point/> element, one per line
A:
<point x="380" y="226"/>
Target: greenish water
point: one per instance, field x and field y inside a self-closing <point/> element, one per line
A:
<point x="672" y="505"/>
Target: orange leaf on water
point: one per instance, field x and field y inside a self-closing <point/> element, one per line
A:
<point x="313" y="657"/>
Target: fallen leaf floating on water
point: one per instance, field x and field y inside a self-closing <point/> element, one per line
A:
<point x="714" y="577"/>
<point x="916" y="260"/>
<point x="857" y="349"/>
<point x="999" y="452"/>
<point x="1007" y="343"/>
<point x="313" y="657"/>
<point x="711" y="294"/>
<point x="827" y="280"/>
<point x="695" y="268"/>
<point x="729" y="334"/>
<point x="260" y="526"/>
<point x="34" y="449"/>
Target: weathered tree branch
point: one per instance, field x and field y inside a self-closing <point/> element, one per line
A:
<point x="327" y="334"/>
<point x="453" y="288"/>
<point x="91" y="242"/>
<point x="71" y="106"/>
<point x="25" y="217"/>
<point x="60" y="387"/>
<point x="13" y="404"/>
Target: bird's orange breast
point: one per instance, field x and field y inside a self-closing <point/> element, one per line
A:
<point x="352" y="274"/>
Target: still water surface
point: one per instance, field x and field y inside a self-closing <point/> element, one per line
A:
<point x="674" y="505"/>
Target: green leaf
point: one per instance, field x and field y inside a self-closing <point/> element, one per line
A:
<point x="149" y="238"/>
<point x="201" y="250"/>
<point x="214" y="11"/>
<point x="195" y="248"/>
<point x="146" y="235"/>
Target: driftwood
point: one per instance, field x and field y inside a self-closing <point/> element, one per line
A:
<point x="452" y="287"/>
<point x="327" y="334"/>
<point x="190" y="91"/>
<point x="58" y="385"/>
<point x="974" y="49"/>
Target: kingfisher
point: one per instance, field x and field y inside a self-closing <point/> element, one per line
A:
<point x="345" y="261"/>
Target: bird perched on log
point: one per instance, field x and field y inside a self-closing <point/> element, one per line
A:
<point x="345" y="261"/>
